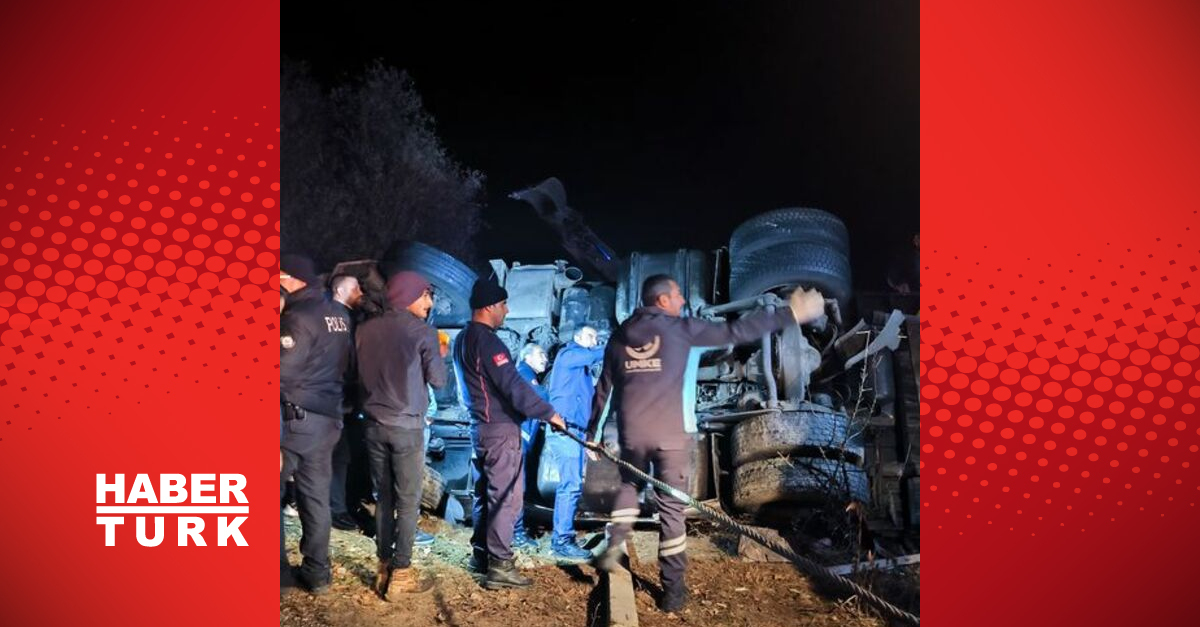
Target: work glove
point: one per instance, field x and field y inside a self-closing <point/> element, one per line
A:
<point x="807" y="305"/>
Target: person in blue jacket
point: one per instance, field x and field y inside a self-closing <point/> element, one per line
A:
<point x="571" y="391"/>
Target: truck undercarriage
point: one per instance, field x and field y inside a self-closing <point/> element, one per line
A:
<point x="810" y="428"/>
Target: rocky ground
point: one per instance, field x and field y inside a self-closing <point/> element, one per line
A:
<point x="725" y="590"/>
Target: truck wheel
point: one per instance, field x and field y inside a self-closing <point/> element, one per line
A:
<point x="433" y="488"/>
<point x="451" y="279"/>
<point x="804" y="433"/>
<point x="782" y="265"/>
<point x="810" y="226"/>
<point x="798" y="482"/>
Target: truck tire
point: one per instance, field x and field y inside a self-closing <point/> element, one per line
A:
<point x="432" y="490"/>
<point x="811" y="226"/>
<point x="805" y="433"/>
<point x="797" y="482"/>
<point x="791" y="264"/>
<point x="451" y="279"/>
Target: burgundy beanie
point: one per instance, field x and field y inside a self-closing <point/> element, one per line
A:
<point x="404" y="288"/>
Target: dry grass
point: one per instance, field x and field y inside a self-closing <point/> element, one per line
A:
<point x="725" y="590"/>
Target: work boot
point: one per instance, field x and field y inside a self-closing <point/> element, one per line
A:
<point x="287" y="578"/>
<point x="673" y="599"/>
<point x="423" y="539"/>
<point x="504" y="574"/>
<point x="521" y="540"/>
<point x="316" y="587"/>
<point x="382" y="572"/>
<point x="478" y="562"/>
<point x="344" y="522"/>
<point x="406" y="581"/>
<point x="569" y="551"/>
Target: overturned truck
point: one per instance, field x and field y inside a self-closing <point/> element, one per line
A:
<point x="804" y="423"/>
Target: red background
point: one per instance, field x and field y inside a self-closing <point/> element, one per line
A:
<point x="139" y="197"/>
<point x="1059" y="187"/>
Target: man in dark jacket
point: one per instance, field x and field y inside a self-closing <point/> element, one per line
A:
<point x="398" y="357"/>
<point x="498" y="400"/>
<point x="316" y="350"/>
<point x="647" y="365"/>
<point x="571" y="390"/>
<point x="349" y="476"/>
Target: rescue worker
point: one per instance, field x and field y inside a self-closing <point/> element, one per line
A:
<point x="346" y="291"/>
<point x="533" y="363"/>
<point x="646" y="364"/>
<point x="398" y="357"/>
<point x="316" y="350"/>
<point x="571" y="390"/>
<point x="498" y="401"/>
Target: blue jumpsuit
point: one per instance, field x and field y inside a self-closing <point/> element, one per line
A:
<point x="571" y="390"/>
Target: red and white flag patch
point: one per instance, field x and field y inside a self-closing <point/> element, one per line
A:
<point x="500" y="359"/>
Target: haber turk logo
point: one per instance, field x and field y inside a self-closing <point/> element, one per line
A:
<point x="192" y="501"/>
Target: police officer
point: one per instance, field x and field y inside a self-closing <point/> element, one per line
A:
<point x="645" y="366"/>
<point x="316" y="350"/>
<point x="498" y="400"/>
<point x="533" y="363"/>
<point x="348" y="454"/>
<point x="398" y="359"/>
<point x="571" y="390"/>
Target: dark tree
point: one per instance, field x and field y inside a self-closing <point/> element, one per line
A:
<point x="363" y="167"/>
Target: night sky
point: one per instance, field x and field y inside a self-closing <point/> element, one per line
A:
<point x="669" y="123"/>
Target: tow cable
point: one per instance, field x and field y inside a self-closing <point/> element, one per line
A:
<point x="805" y="565"/>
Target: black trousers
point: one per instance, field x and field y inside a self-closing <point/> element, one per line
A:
<point x="351" y="473"/>
<point x="499" y="489"/>
<point x="307" y="453"/>
<point x="397" y="459"/>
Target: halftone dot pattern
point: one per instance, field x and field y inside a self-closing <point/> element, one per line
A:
<point x="1060" y="397"/>
<point x="125" y="269"/>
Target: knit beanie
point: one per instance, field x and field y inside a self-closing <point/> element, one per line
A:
<point x="487" y="292"/>
<point x="404" y="288"/>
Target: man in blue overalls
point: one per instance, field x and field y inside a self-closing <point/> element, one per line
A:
<point x="571" y="390"/>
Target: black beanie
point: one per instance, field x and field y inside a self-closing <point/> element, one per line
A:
<point x="300" y="267"/>
<point x="487" y="292"/>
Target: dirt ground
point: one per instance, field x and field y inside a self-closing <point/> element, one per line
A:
<point x="724" y="589"/>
